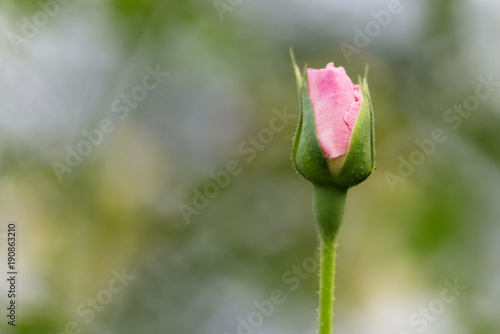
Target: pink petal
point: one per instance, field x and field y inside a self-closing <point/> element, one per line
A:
<point x="336" y="103"/>
<point x="352" y="113"/>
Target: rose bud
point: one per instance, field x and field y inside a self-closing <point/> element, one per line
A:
<point x="334" y="149"/>
<point x="334" y="141"/>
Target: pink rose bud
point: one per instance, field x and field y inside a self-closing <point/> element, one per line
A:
<point x="334" y="142"/>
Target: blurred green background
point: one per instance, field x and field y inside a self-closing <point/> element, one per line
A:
<point x="65" y="64"/>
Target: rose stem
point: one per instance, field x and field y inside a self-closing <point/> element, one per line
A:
<point x="328" y="209"/>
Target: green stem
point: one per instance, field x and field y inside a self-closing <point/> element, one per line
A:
<point x="326" y="285"/>
<point x="328" y="209"/>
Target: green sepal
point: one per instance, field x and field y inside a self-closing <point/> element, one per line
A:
<point x="306" y="152"/>
<point x="360" y="158"/>
<point x="299" y="79"/>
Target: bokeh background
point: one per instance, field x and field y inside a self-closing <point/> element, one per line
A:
<point x="228" y="68"/>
